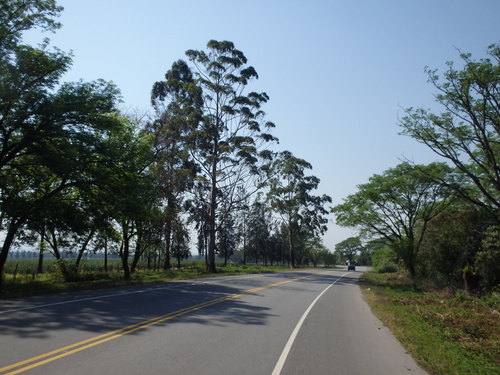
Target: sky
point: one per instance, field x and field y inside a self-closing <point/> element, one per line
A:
<point x="339" y="74"/>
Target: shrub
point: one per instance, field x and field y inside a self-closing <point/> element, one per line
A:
<point x="384" y="260"/>
<point x="487" y="261"/>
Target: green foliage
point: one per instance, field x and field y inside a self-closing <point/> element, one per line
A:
<point x="17" y="16"/>
<point x="461" y="249"/>
<point x="348" y="249"/>
<point x="70" y="165"/>
<point x="396" y="206"/>
<point x="225" y="126"/>
<point x="487" y="260"/>
<point x="257" y="222"/>
<point x="291" y="196"/>
<point x="447" y="334"/>
<point x="384" y="260"/>
<point x="318" y="253"/>
<point x="468" y="132"/>
<point x="452" y="241"/>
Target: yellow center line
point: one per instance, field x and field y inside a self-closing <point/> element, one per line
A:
<point x="94" y="341"/>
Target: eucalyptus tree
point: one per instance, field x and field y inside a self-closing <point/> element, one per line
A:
<point x="397" y="205"/>
<point x="228" y="237"/>
<point x="198" y="210"/>
<point x="180" y="241"/>
<point x="278" y="242"/>
<point x="467" y="133"/>
<point x="258" y="230"/>
<point x="177" y="102"/>
<point x="291" y="196"/>
<point x="228" y="141"/>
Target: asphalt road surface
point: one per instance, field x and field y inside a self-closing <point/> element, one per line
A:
<point x="303" y="322"/>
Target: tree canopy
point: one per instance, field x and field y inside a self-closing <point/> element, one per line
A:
<point x="467" y="133"/>
<point x="78" y="175"/>
<point x="397" y="205"/>
<point x="227" y="125"/>
<point x="291" y="195"/>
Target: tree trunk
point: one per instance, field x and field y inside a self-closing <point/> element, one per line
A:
<point x="105" y="255"/>
<point x="206" y="249"/>
<point x="125" y="252"/>
<point x="14" y="226"/>
<point x="137" y="255"/>
<point x="244" y="251"/>
<point x="126" y="269"/>
<point x="211" y="221"/>
<point x="82" y="250"/>
<point x="40" y="253"/>
<point x="290" y="245"/>
<point x="60" y="261"/>
<point x="410" y="257"/>
<point x="168" y="234"/>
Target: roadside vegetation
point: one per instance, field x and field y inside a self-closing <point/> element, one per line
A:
<point x="441" y="222"/>
<point x="23" y="280"/>
<point x="80" y="177"/>
<point x="449" y="332"/>
<point x="433" y="231"/>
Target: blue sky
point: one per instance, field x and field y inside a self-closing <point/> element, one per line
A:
<point x="338" y="73"/>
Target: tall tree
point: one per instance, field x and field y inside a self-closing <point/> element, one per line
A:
<point x="467" y="133"/>
<point x="291" y="196"/>
<point x="397" y="206"/>
<point x="227" y="142"/>
<point x="177" y="102"/>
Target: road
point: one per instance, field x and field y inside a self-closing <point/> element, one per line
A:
<point x="301" y="322"/>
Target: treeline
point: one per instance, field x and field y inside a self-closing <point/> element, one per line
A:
<point x="77" y="174"/>
<point x="441" y="221"/>
<point x="66" y="254"/>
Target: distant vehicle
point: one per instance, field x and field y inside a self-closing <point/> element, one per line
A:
<point x="351" y="267"/>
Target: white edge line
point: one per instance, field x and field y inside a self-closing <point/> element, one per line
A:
<point x="288" y="346"/>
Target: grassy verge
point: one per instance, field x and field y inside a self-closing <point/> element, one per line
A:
<point x="447" y="333"/>
<point x="51" y="282"/>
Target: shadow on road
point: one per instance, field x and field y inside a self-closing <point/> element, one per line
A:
<point x="100" y="315"/>
<point x="106" y="310"/>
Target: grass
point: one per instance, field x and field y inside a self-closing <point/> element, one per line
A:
<point x="21" y="279"/>
<point x="448" y="333"/>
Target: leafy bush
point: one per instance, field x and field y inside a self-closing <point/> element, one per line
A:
<point x="384" y="260"/>
<point x="487" y="261"/>
<point x="449" y="248"/>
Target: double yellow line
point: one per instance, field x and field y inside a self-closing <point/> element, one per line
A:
<point x="65" y="351"/>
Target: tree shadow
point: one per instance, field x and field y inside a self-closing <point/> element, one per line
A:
<point x="102" y="311"/>
<point x="102" y="315"/>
